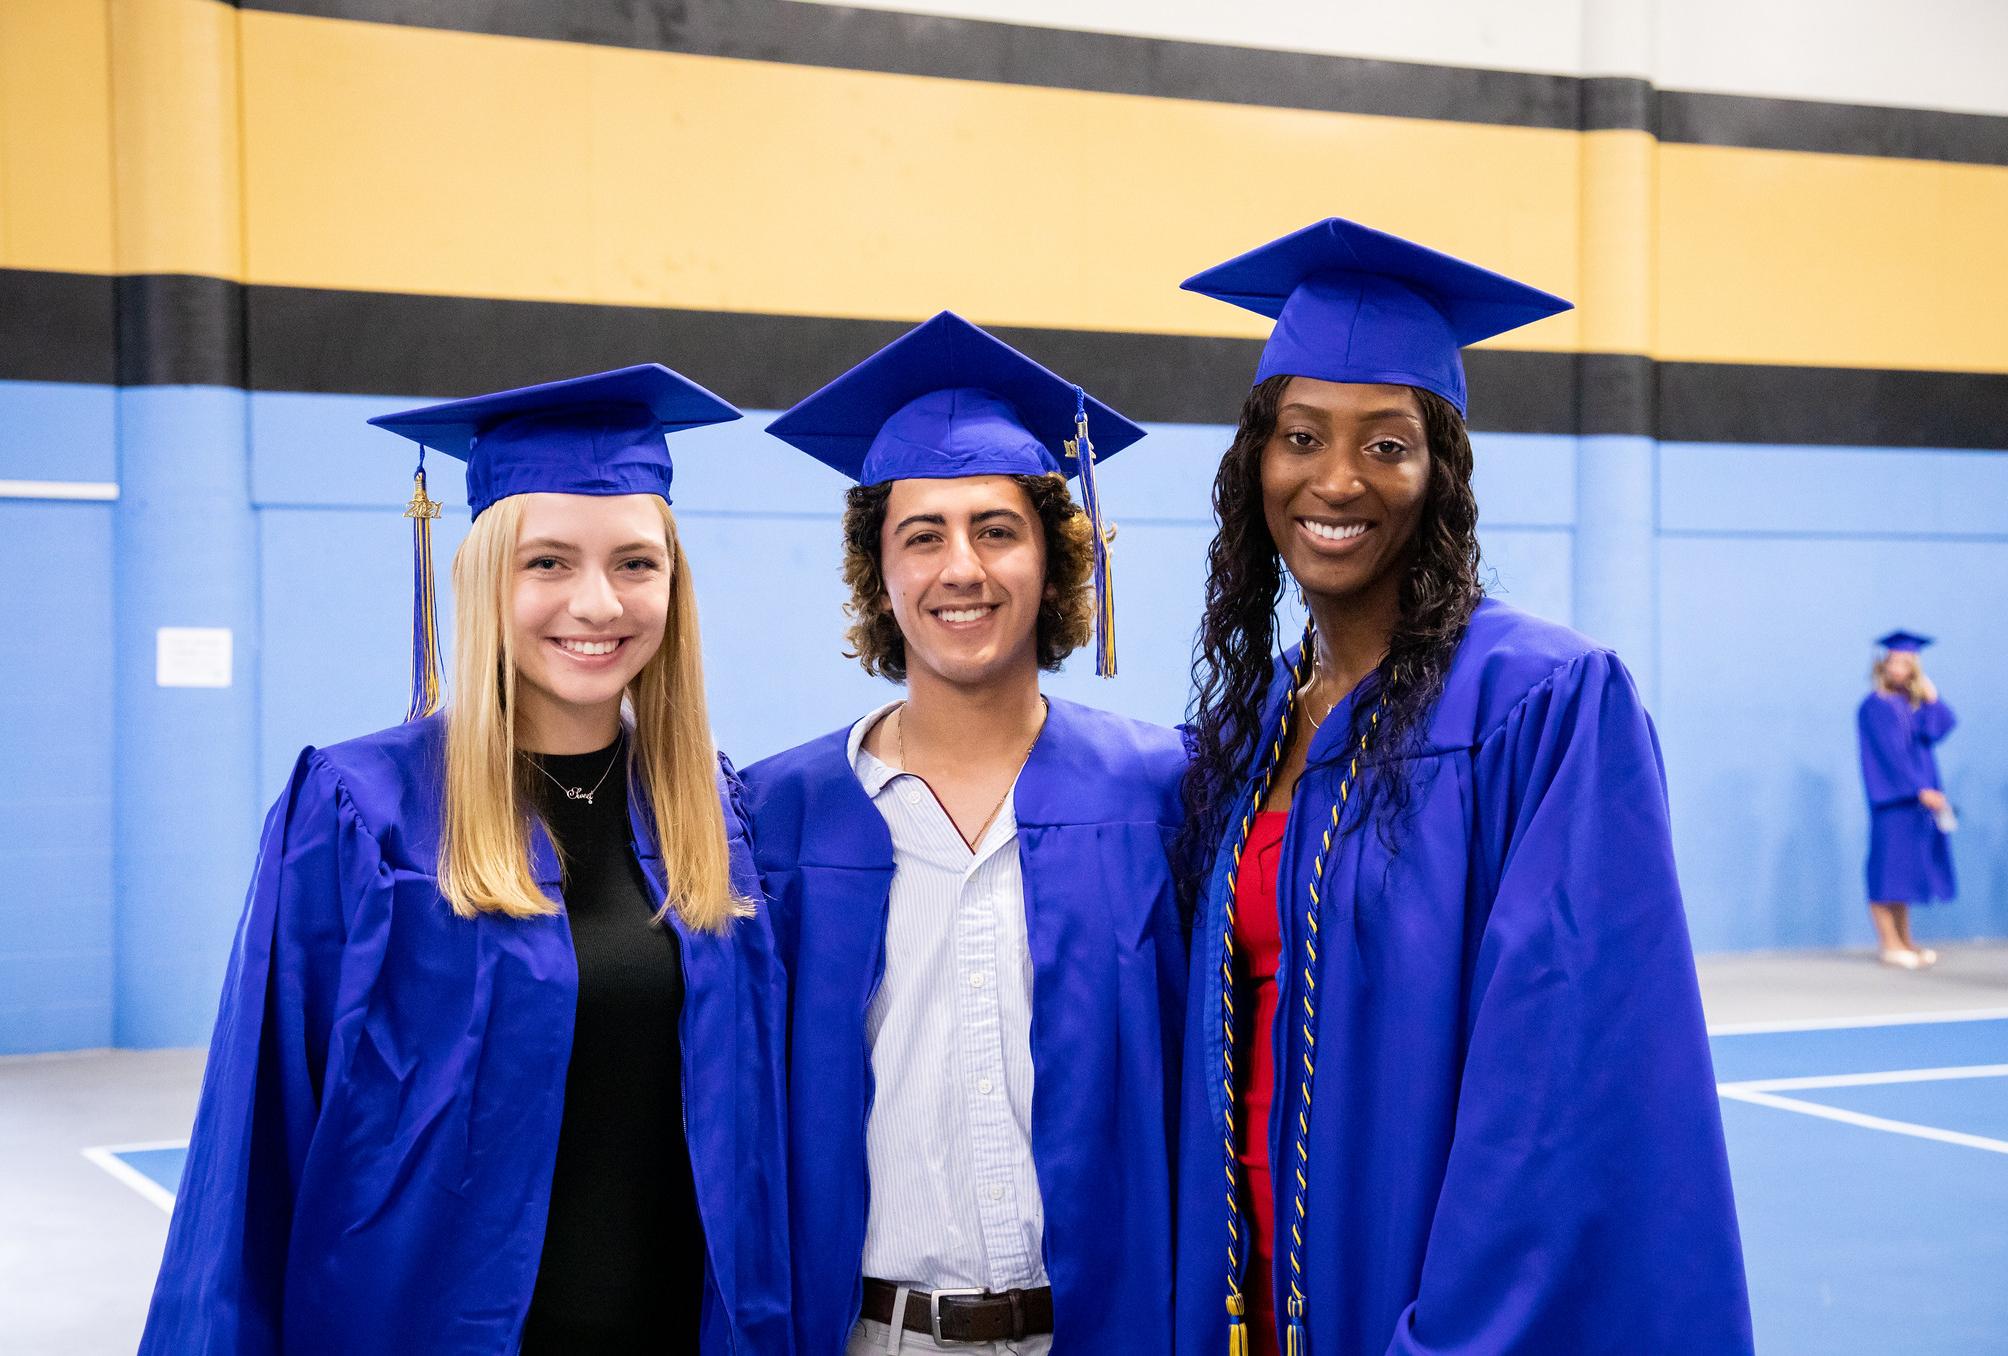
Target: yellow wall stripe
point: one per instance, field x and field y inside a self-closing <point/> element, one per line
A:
<point x="399" y="159"/>
<point x="55" y="136"/>
<point x="177" y="156"/>
<point x="1831" y="260"/>
<point x="568" y="173"/>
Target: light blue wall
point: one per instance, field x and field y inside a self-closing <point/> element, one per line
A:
<point x="56" y="731"/>
<point x="184" y="780"/>
<point x="1773" y="567"/>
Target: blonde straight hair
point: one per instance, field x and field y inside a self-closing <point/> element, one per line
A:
<point x="484" y="856"/>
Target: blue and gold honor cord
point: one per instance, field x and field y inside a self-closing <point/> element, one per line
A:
<point x="1237" y="1330"/>
<point x="422" y="509"/>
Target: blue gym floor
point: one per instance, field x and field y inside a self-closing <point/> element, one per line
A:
<point x="1871" y="1168"/>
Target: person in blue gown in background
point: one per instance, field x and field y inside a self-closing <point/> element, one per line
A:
<point x="973" y="890"/>
<point x="1494" y="1126"/>
<point x="1899" y="723"/>
<point x="498" y="1064"/>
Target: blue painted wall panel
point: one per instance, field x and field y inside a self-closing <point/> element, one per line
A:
<point x="185" y="805"/>
<point x="1524" y="480"/>
<point x="1707" y="487"/>
<point x="57" y="431"/>
<point x="1529" y="567"/>
<point x="56" y="750"/>
<point x="335" y="613"/>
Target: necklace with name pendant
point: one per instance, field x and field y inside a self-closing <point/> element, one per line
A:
<point x="579" y="792"/>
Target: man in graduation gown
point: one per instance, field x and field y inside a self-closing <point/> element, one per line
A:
<point x="972" y="892"/>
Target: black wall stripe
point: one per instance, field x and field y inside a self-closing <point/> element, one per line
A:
<point x="179" y="330"/>
<point x="57" y="327"/>
<point x="972" y="49"/>
<point x="173" y="330"/>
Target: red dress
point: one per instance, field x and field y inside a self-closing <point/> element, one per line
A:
<point x="1258" y="945"/>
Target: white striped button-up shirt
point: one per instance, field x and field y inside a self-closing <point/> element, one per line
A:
<point x="954" y="1198"/>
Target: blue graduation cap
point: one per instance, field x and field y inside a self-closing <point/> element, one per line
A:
<point x="949" y="399"/>
<point x="601" y="434"/>
<point x="1355" y="304"/>
<point x="946" y="399"/>
<point x="1903" y="642"/>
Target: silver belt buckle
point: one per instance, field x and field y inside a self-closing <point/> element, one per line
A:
<point x="934" y="1299"/>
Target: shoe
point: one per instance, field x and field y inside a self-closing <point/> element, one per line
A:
<point x="1927" y="956"/>
<point x="1902" y="960"/>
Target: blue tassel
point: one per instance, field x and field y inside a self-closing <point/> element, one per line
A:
<point x="425" y="685"/>
<point x="1083" y="450"/>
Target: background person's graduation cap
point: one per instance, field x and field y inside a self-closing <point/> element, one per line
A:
<point x="947" y="399"/>
<point x="1359" y="305"/>
<point x="602" y="434"/>
<point x="1903" y="642"/>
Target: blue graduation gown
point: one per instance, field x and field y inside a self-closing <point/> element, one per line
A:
<point x="1515" y="1145"/>
<point x="370" y="1169"/>
<point x="1910" y="861"/>
<point x="1097" y="805"/>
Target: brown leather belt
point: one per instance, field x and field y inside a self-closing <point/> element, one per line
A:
<point x="964" y="1315"/>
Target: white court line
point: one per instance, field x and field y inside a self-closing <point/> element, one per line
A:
<point x="58" y="489"/>
<point x="1831" y="1113"/>
<point x="1858" y="1023"/>
<point x="1865" y="1080"/>
<point x="107" y="1157"/>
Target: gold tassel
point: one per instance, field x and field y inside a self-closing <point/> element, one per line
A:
<point x="1237" y="1327"/>
<point x="425" y="684"/>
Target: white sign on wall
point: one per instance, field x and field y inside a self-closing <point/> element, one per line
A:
<point x="192" y="656"/>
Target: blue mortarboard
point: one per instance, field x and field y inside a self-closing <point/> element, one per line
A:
<point x="945" y="400"/>
<point x="1355" y="304"/>
<point x="600" y="434"/>
<point x="1903" y="642"/>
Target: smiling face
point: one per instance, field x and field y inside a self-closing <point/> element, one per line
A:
<point x="589" y="598"/>
<point x="1344" y="478"/>
<point x="964" y="564"/>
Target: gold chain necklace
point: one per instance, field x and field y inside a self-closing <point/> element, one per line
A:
<point x="899" y="742"/>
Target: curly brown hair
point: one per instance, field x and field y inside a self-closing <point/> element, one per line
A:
<point x="1066" y="610"/>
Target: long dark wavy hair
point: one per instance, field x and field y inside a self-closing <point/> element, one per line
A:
<point x="1233" y="657"/>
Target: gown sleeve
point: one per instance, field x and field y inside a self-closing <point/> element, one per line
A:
<point x="1934" y="721"/>
<point x="1586" y="1200"/>
<point x="1888" y="770"/>
<point x="221" y="1289"/>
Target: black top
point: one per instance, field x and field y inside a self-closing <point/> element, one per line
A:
<point x="623" y="1264"/>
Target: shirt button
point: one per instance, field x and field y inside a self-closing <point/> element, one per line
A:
<point x="912" y="795"/>
<point x="976" y="980"/>
<point x="983" y="1085"/>
<point x="996" y="1191"/>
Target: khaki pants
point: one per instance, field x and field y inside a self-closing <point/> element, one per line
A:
<point x="874" y="1339"/>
